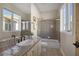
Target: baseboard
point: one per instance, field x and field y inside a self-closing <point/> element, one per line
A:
<point x="62" y="52"/>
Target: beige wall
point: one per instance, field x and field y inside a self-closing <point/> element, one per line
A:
<point x="36" y="13"/>
<point x="67" y="43"/>
<point x="14" y="9"/>
<point x="49" y="15"/>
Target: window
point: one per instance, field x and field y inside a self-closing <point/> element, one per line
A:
<point x="70" y="14"/>
<point x="65" y="18"/>
<point x="68" y="11"/>
<point x="62" y="27"/>
<point x="7" y="17"/>
<point x="11" y="21"/>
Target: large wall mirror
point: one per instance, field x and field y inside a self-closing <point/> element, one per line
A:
<point x="11" y="21"/>
<point x="25" y="25"/>
<point x="7" y="18"/>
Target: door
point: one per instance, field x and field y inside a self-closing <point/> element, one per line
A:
<point x="77" y="27"/>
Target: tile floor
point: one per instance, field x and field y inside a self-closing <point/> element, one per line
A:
<point x="50" y="47"/>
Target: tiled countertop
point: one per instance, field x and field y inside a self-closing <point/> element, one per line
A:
<point x="20" y="50"/>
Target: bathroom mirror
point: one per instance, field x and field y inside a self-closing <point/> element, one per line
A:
<point x="16" y="23"/>
<point x="7" y="18"/>
<point x="11" y="21"/>
<point x="25" y="25"/>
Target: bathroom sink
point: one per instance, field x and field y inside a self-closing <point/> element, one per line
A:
<point x="24" y="43"/>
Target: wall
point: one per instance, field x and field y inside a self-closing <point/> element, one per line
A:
<point x="66" y="38"/>
<point x="49" y="15"/>
<point x="35" y="13"/>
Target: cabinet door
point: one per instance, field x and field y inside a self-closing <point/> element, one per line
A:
<point x="29" y="53"/>
<point x="25" y="54"/>
<point x="39" y="48"/>
<point x="35" y="51"/>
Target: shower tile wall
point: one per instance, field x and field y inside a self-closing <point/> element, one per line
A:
<point x="47" y="29"/>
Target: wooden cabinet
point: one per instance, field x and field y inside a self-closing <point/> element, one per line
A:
<point x="39" y="48"/>
<point x="30" y="53"/>
<point x="35" y="50"/>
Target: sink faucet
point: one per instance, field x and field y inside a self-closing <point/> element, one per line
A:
<point x="14" y="38"/>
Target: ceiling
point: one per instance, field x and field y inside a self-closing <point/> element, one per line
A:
<point x="24" y="7"/>
<point x="47" y="10"/>
<point x="48" y="7"/>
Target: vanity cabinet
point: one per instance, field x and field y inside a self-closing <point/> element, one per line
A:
<point x="39" y="49"/>
<point x="35" y="50"/>
<point x="4" y="45"/>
